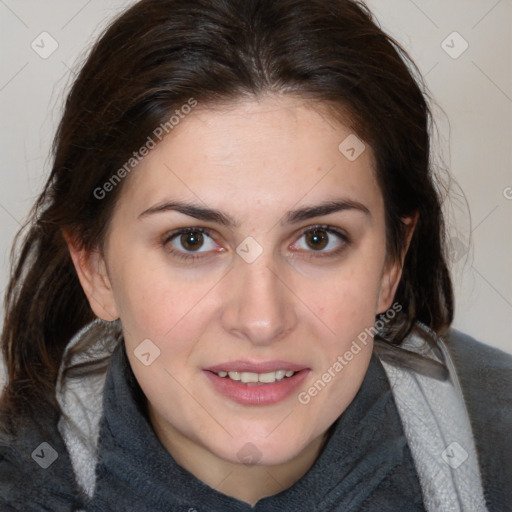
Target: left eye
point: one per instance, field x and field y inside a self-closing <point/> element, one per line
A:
<point x="322" y="239"/>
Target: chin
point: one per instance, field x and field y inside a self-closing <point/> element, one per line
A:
<point x="263" y="451"/>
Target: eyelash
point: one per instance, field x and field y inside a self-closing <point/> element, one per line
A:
<point x="191" y="256"/>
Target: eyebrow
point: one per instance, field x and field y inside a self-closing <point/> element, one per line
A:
<point x="291" y="217"/>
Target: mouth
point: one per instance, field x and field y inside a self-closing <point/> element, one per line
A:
<point x="256" y="384"/>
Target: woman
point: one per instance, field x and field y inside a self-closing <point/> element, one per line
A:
<point x="233" y="294"/>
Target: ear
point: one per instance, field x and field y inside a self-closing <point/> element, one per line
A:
<point x="393" y="269"/>
<point x="92" y="273"/>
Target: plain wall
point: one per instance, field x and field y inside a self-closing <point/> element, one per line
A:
<point x="473" y="91"/>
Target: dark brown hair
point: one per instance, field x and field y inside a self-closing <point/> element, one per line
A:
<point x="153" y="59"/>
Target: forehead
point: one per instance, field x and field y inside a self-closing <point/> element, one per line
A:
<point x="275" y="150"/>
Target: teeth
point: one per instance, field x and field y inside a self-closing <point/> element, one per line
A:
<point x="267" y="377"/>
<point x="246" y="377"/>
<point x="252" y="378"/>
<point x="280" y="374"/>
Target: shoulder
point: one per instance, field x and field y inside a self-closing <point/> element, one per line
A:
<point x="485" y="375"/>
<point x="35" y="470"/>
<point x="484" y="369"/>
<point x="458" y="340"/>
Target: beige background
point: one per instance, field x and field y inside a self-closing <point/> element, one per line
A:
<point x="473" y="90"/>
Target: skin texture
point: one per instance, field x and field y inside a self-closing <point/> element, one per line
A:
<point x="254" y="160"/>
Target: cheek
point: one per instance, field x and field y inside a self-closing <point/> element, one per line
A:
<point x="147" y="304"/>
<point x="171" y="312"/>
<point x="347" y="306"/>
<point x="345" y="298"/>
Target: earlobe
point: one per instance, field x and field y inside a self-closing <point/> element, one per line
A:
<point x="388" y="286"/>
<point x="92" y="272"/>
<point x="393" y="271"/>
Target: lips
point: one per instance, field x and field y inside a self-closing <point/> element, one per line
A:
<point x="251" y="392"/>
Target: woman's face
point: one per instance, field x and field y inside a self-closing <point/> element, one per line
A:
<point x="252" y="286"/>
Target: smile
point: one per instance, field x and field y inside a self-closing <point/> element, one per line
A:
<point x="257" y="378"/>
<point x="250" y="388"/>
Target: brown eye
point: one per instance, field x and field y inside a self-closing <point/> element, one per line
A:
<point x="192" y="240"/>
<point x="322" y="241"/>
<point x="190" y="244"/>
<point x="317" y="239"/>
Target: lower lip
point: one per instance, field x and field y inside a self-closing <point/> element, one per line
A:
<point x="264" y="394"/>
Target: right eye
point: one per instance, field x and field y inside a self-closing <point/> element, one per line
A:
<point x="186" y="243"/>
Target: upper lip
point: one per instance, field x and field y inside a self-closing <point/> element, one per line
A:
<point x="248" y="366"/>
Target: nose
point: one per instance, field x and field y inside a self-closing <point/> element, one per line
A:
<point x="259" y="306"/>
